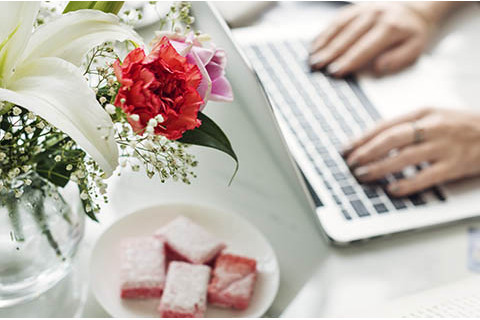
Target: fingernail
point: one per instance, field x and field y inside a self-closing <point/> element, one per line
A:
<point x="352" y="163"/>
<point x="346" y="150"/>
<point x="393" y="188"/>
<point x="383" y="68"/>
<point x="317" y="60"/>
<point x="333" y="68"/>
<point x="361" y="172"/>
<point x="316" y="45"/>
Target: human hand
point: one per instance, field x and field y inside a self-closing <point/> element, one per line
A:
<point x="389" y="36"/>
<point x="448" y="140"/>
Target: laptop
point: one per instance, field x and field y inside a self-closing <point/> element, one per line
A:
<point x="317" y="115"/>
<point x="458" y="299"/>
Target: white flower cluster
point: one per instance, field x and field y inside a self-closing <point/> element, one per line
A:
<point x="30" y="148"/>
<point x="22" y="138"/>
<point x="157" y="154"/>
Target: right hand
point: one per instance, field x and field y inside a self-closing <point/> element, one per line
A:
<point x="389" y="36"/>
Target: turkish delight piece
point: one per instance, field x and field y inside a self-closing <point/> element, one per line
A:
<point x="185" y="294"/>
<point x="233" y="280"/>
<point x="142" y="268"/>
<point x="189" y="242"/>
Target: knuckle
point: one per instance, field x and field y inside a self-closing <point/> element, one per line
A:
<point x="426" y="110"/>
<point x="390" y="138"/>
<point x="381" y="168"/>
<point x="445" y="171"/>
<point x="391" y="26"/>
<point x="409" y="186"/>
<point x="361" y="156"/>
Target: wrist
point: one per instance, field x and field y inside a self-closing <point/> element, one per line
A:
<point x="432" y="12"/>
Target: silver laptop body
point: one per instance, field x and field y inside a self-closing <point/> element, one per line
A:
<point x="317" y="116"/>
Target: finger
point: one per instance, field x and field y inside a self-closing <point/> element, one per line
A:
<point x="362" y="52"/>
<point x="398" y="57"/>
<point x="428" y="177"/>
<point x="409" y="155"/>
<point x="392" y="138"/>
<point x="344" y="39"/>
<point x="343" y="19"/>
<point x="386" y="124"/>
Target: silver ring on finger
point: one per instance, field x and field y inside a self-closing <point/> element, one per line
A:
<point x="418" y="133"/>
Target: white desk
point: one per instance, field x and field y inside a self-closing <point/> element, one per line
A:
<point x="319" y="279"/>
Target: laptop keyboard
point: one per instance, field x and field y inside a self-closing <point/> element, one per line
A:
<point x="324" y="114"/>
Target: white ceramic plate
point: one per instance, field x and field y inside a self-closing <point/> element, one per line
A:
<point x="240" y="236"/>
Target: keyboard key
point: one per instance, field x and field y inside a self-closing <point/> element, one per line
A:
<point x="337" y="199"/>
<point x="380" y="208"/>
<point x="360" y="208"/>
<point x="398" y="203"/>
<point x="439" y="194"/>
<point x="370" y="192"/>
<point x="382" y="182"/>
<point x="321" y="150"/>
<point x="311" y="134"/>
<point x="319" y="172"/>
<point x="348" y="190"/>
<point x="329" y="162"/>
<point x="327" y="185"/>
<point x="346" y="214"/>
<point x="339" y="176"/>
<point x="399" y="175"/>
<point x="416" y="199"/>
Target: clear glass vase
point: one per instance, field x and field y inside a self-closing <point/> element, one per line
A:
<point x="39" y="236"/>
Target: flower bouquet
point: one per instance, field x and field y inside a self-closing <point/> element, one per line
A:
<point x="82" y="94"/>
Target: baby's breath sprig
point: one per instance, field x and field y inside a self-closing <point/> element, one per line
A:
<point x="178" y="18"/>
<point x="158" y="155"/>
<point x="131" y="16"/>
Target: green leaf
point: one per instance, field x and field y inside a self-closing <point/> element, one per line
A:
<point x="210" y="135"/>
<point x="105" y="6"/>
<point x="77" y="5"/>
<point x="90" y="213"/>
<point x="54" y="171"/>
<point x="109" y="6"/>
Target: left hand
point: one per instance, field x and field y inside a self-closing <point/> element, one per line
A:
<point x="387" y="35"/>
<point x="449" y="140"/>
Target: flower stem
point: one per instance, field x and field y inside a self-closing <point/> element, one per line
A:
<point x="39" y="216"/>
<point x="13" y="215"/>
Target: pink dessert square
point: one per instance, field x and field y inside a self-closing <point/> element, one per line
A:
<point x="142" y="268"/>
<point x="189" y="242"/>
<point x="233" y="280"/>
<point x="185" y="294"/>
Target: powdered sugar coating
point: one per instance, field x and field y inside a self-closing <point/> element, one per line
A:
<point x="185" y="293"/>
<point x="189" y="241"/>
<point x="142" y="267"/>
<point x="233" y="281"/>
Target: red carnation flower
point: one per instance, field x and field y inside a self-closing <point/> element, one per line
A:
<point x="161" y="83"/>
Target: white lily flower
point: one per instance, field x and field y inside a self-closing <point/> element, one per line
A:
<point x="39" y="71"/>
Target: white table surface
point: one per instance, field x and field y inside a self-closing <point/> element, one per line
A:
<point x="321" y="280"/>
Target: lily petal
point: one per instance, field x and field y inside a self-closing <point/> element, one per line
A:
<point x="57" y="91"/>
<point x="73" y="34"/>
<point x="16" y="24"/>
